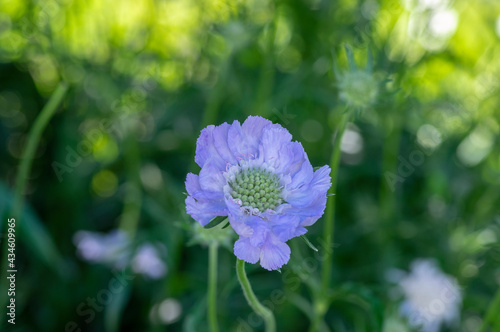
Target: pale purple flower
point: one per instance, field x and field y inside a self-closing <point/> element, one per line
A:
<point x="147" y="261"/>
<point x="112" y="249"/>
<point x="254" y="174"/>
<point x="115" y="249"/>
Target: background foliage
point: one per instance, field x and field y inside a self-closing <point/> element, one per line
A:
<point x="149" y="74"/>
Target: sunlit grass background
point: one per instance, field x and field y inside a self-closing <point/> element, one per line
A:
<point x="149" y="75"/>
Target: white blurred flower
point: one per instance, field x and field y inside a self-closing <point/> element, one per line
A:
<point x="166" y="312"/>
<point x="147" y="261"/>
<point x="432" y="298"/>
<point x="116" y="251"/>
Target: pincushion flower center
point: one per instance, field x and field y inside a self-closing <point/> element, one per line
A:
<point x="257" y="188"/>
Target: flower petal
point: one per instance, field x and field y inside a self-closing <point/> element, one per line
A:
<point x="291" y="157"/>
<point x="211" y="178"/>
<point x="274" y="253"/>
<point x="305" y="193"/>
<point x="273" y="138"/>
<point x="204" y="211"/>
<point x="245" y="251"/>
<point x="260" y="230"/>
<point x="220" y="139"/>
<point x="206" y="150"/>
<point x="193" y="188"/>
<point x="322" y="181"/>
<point x="239" y="145"/>
<point x="286" y="226"/>
<point x="252" y="129"/>
<point x="237" y="218"/>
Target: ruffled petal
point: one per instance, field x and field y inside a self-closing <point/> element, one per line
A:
<point x="291" y="157"/>
<point x="211" y="178"/>
<point x="237" y="218"/>
<point x="305" y="193"/>
<point x="260" y="230"/>
<point x="252" y="129"/>
<point x="286" y="226"/>
<point x="246" y="139"/>
<point x="245" y="251"/>
<point x="193" y="188"/>
<point x="205" y="149"/>
<point x="322" y="181"/>
<point x="220" y="136"/>
<point x="204" y="211"/>
<point x="274" y="253"/>
<point x="273" y="138"/>
<point x="239" y="145"/>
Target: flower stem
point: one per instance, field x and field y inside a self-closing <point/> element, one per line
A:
<point x="212" y="287"/>
<point x="252" y="300"/>
<point x="321" y="305"/>
<point x="329" y="227"/>
<point x="492" y="314"/>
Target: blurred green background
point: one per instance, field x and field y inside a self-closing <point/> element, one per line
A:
<point x="146" y="76"/>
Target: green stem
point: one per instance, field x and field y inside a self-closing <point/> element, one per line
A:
<point x="212" y="287"/>
<point x="492" y="314"/>
<point x="329" y="227"/>
<point x="24" y="169"/>
<point x="321" y="303"/>
<point x="33" y="139"/>
<point x="252" y="300"/>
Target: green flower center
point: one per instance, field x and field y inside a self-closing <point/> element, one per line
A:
<point x="257" y="188"/>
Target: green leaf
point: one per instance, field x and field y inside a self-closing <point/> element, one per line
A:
<point x="114" y="310"/>
<point x="214" y="222"/>
<point x="309" y="243"/>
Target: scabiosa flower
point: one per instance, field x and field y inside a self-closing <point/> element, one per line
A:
<point x="432" y="298"/>
<point x="254" y="174"/>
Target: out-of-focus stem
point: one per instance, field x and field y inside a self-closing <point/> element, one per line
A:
<point x="212" y="287"/>
<point x="252" y="300"/>
<point x="266" y="80"/>
<point x="34" y="135"/>
<point x="33" y="139"/>
<point x="389" y="166"/>
<point x="321" y="302"/>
